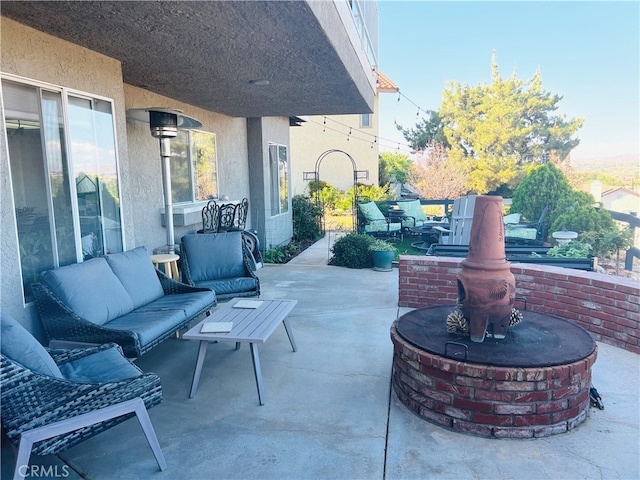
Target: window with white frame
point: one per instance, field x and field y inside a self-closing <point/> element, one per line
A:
<point x="365" y="120"/>
<point x="279" y="171"/>
<point x="194" y="166"/>
<point x="64" y="176"/>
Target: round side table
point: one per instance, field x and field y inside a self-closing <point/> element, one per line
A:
<point x="169" y="261"/>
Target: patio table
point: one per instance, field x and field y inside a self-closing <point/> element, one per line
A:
<point x="426" y="232"/>
<point x="253" y="322"/>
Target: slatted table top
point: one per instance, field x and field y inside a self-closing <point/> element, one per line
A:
<point x="253" y="325"/>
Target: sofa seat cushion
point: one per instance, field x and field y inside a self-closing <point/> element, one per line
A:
<point x="104" y="366"/>
<point x="214" y="255"/>
<point x="20" y="346"/>
<point x="189" y="303"/>
<point x="90" y="289"/>
<point x="149" y="326"/>
<point x="226" y="286"/>
<point x="137" y="274"/>
<point x="162" y="316"/>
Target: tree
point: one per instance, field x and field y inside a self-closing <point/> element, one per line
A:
<point x="393" y="165"/>
<point x="544" y="186"/>
<point x="433" y="175"/>
<point x="501" y="128"/>
<point x="428" y="130"/>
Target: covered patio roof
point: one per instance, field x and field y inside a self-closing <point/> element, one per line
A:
<point x="242" y="59"/>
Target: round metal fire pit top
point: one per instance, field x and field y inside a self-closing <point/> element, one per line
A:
<point x="540" y="340"/>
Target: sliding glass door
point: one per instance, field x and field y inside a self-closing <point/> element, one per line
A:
<point x="64" y="177"/>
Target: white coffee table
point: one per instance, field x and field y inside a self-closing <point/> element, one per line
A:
<point x="250" y="325"/>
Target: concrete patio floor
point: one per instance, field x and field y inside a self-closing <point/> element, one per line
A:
<point x="330" y="412"/>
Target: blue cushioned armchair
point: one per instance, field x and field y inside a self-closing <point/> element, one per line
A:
<point x="53" y="399"/>
<point x="220" y="261"/>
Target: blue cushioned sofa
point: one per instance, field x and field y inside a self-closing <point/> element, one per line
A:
<point x="118" y="298"/>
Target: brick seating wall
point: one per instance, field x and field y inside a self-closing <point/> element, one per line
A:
<point x="607" y="306"/>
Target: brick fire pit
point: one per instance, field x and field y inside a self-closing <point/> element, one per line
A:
<point x="516" y="391"/>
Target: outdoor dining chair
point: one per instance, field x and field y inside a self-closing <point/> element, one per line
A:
<point x="372" y="220"/>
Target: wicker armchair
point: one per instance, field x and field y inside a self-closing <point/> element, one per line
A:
<point x="52" y="404"/>
<point x="221" y="262"/>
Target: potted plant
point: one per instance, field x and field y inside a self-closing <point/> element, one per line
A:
<point x="382" y="254"/>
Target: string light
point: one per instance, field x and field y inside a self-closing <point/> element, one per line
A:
<point x="351" y="133"/>
<point x="380" y="141"/>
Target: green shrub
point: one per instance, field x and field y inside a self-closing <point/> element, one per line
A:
<point x="315" y="185"/>
<point x="572" y="249"/>
<point x="576" y="213"/>
<point x="352" y="251"/>
<point x="307" y="219"/>
<point x="595" y="226"/>
<point x="372" y="193"/>
<point x="568" y="209"/>
<point x="544" y="185"/>
<point x="274" y="255"/>
<point x="608" y="242"/>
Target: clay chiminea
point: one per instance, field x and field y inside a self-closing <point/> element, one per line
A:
<point x="486" y="286"/>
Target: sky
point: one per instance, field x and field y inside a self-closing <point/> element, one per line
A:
<point x="588" y="52"/>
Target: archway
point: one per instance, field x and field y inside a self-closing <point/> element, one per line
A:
<point x="357" y="174"/>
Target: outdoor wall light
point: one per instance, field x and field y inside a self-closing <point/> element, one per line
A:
<point x="164" y="124"/>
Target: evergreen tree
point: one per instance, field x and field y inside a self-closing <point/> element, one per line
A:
<point x="497" y="131"/>
<point x="544" y="186"/>
<point x="501" y="128"/>
<point x="428" y="131"/>
<point x="393" y="165"/>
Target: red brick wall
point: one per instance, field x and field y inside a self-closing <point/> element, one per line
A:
<point x="608" y="306"/>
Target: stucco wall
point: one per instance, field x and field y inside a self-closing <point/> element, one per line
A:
<point x="278" y="228"/>
<point x="145" y="181"/>
<point x="273" y="230"/>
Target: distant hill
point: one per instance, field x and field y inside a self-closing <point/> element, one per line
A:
<point x="625" y="162"/>
<point x="624" y="167"/>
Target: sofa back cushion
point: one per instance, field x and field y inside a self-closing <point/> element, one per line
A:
<point x="20" y="346"/>
<point x="137" y="275"/>
<point x="90" y="289"/>
<point x="214" y="255"/>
